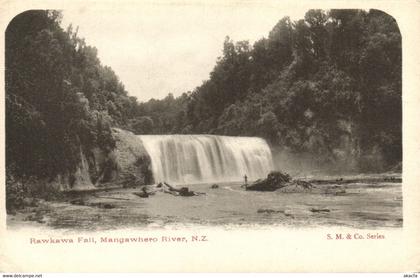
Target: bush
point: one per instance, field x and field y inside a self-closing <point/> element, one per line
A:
<point x="15" y="194"/>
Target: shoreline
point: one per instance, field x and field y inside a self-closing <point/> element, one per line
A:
<point x="111" y="202"/>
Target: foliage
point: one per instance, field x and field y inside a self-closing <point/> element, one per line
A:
<point x="328" y="85"/>
<point x="14" y="193"/>
<point x="60" y="100"/>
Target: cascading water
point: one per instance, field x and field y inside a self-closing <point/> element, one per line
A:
<point x="207" y="158"/>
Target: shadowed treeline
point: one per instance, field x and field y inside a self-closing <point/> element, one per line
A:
<point x="325" y="89"/>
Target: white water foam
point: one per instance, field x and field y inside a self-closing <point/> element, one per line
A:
<point x="207" y="158"/>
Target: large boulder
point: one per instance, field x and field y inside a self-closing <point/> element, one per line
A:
<point x="274" y="181"/>
<point x="127" y="165"/>
<point x="132" y="158"/>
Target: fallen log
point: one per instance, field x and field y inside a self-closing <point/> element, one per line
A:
<point x="183" y="191"/>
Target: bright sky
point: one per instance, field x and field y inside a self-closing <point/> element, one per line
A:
<point x="157" y="49"/>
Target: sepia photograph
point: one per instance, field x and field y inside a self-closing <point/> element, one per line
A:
<point x="162" y="117"/>
<point x="298" y="125"/>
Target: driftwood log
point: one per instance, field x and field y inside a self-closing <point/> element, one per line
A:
<point x="183" y="191"/>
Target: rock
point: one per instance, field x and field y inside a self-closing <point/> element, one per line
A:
<point x="78" y="202"/>
<point x="185" y="192"/>
<point x="131" y="157"/>
<point x="141" y="194"/>
<point x="336" y="190"/>
<point x="297" y="186"/>
<point x="281" y="182"/>
<point x="214" y="186"/>
<point x="103" y="205"/>
<point x="304" y="184"/>
<point x="274" y="181"/>
<point x="319" y="210"/>
<point x="269" y="211"/>
<point x="81" y="202"/>
<point x="293" y="188"/>
<point x="146" y="191"/>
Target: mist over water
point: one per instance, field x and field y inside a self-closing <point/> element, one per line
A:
<point x="207" y="158"/>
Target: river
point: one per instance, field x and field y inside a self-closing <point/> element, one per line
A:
<point x="366" y="203"/>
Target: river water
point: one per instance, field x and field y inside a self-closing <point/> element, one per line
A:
<point x="370" y="204"/>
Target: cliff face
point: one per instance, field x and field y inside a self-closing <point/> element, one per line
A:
<point x="322" y="157"/>
<point x="129" y="161"/>
<point x="131" y="158"/>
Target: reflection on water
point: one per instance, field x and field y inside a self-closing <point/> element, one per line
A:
<point x="377" y="205"/>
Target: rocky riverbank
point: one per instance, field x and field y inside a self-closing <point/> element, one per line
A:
<point x="282" y="182"/>
<point x="127" y="165"/>
<point x="369" y="204"/>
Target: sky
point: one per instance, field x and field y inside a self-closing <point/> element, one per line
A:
<point x="156" y="49"/>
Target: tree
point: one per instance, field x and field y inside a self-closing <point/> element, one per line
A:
<point x="142" y="125"/>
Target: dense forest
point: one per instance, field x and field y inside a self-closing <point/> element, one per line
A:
<point x="60" y="100"/>
<point x="328" y="86"/>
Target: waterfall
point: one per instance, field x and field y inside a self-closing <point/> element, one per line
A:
<point x="207" y="158"/>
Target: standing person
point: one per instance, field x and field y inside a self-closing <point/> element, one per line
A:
<point x="246" y="180"/>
